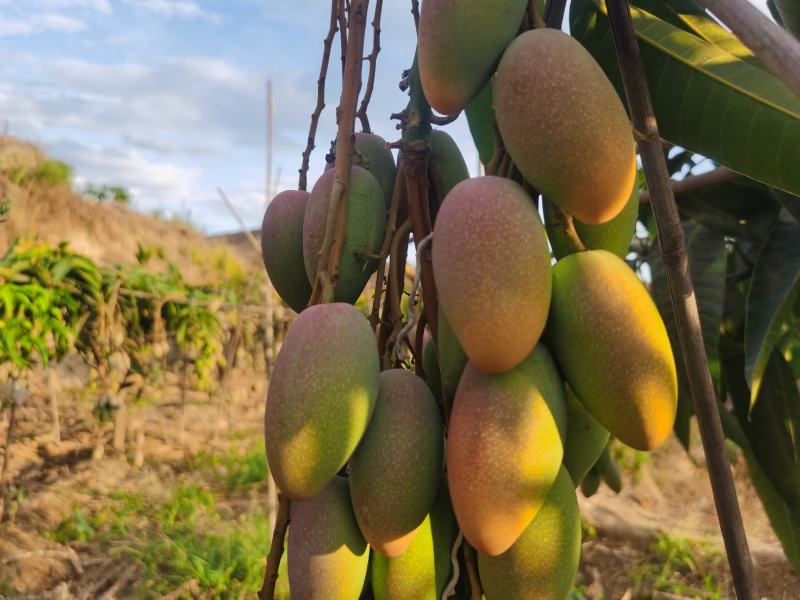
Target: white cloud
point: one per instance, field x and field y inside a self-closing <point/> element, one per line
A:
<point x="182" y="9"/>
<point x="39" y="23"/>
<point x="101" y="6"/>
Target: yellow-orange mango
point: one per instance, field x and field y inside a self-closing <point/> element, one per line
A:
<point x="543" y="563"/>
<point x="492" y="269"/>
<point x="612" y="345"/>
<point x="504" y="448"/>
<point x="564" y="125"/>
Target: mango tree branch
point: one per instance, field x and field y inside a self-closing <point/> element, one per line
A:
<point x="672" y="241"/>
<point x="342" y="16"/>
<point x="398" y="199"/>
<point x="393" y="322"/>
<point x="336" y="224"/>
<point x="775" y="46"/>
<point x="566" y="222"/>
<point x="415" y="12"/>
<point x="695" y="182"/>
<point x="373" y="63"/>
<point x="323" y="73"/>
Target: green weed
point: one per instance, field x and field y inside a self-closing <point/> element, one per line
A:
<point x="236" y="470"/>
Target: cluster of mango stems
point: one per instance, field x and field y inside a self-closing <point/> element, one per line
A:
<point x="540" y="362"/>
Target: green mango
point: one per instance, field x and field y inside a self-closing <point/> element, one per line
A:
<point x="366" y="226"/>
<point x="372" y="154"/>
<point x="327" y="555"/>
<point x="543" y="562"/>
<point x="585" y="440"/>
<point x="430" y="364"/>
<point x="480" y="116"/>
<point x="446" y="168"/>
<point x="460" y="44"/>
<point x="282" y="247"/>
<point x="423" y="571"/>
<point x="452" y="358"/>
<point x="321" y="397"/>
<point x="396" y="469"/>
<point x="614" y="236"/>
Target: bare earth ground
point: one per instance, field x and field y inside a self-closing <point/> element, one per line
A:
<point x="90" y="527"/>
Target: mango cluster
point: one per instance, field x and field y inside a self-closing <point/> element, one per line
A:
<point x="545" y="350"/>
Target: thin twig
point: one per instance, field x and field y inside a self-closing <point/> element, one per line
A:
<point x="323" y="73"/>
<point x="336" y="224"/>
<point x="415" y="12"/>
<point x="672" y="241"/>
<point x="276" y="549"/>
<point x="412" y="303"/>
<point x="566" y="222"/>
<point x="373" y="63"/>
<point x="472" y="571"/>
<point x="695" y="182"/>
<point x="397" y="261"/>
<point x="398" y="199"/>
<point x="342" y="15"/>
<point x="775" y="46"/>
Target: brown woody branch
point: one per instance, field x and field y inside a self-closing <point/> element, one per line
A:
<point x="336" y="224"/>
<point x="393" y="322"/>
<point x="672" y="241"/>
<point x="568" y="224"/>
<point x="373" y="63"/>
<point x="335" y="230"/>
<point x="695" y="182"/>
<point x="323" y="73"/>
<point x="415" y="12"/>
<point x="398" y="199"/>
<point x="342" y="16"/>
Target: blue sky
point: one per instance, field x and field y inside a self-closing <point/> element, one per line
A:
<point x="166" y="97"/>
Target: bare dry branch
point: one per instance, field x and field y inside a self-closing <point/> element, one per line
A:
<point x="323" y="73"/>
<point x="373" y="63"/>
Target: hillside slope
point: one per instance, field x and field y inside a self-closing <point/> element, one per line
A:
<point x="43" y="208"/>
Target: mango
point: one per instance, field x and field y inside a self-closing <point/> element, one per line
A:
<point x="614" y="236"/>
<point x="543" y="563"/>
<point x="612" y="345"/>
<point x="321" y="397"/>
<point x="327" y="555"/>
<point x="452" y="358"/>
<point x="366" y="225"/>
<point x="480" y="117"/>
<point x="395" y="472"/>
<point x="424" y="570"/>
<point x="460" y="43"/>
<point x="372" y="154"/>
<point x="430" y="364"/>
<point x="492" y="269"/>
<point x="564" y="125"/>
<point x="504" y="448"/>
<point x="282" y="247"/>
<point x="446" y="168"/>
<point x="609" y="470"/>
<point x="585" y="440"/>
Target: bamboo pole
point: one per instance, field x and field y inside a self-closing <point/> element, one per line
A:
<point x="684" y="303"/>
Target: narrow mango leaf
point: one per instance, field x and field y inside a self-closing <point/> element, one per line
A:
<point x="707" y="265"/>
<point x="785" y="526"/>
<point x="705" y="99"/>
<point x="773" y="292"/>
<point x="480" y="116"/>
<point x="689" y="16"/>
<point x="789" y="201"/>
<point x="789" y="11"/>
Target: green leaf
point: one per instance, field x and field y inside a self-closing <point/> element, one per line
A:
<point x="773" y="292"/>
<point x="789" y="11"/>
<point x="708" y="266"/>
<point x="480" y="116"/>
<point x="706" y="99"/>
<point x="687" y="15"/>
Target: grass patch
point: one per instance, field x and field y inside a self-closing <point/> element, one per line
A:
<point x="185" y="537"/>
<point x="236" y="470"/>
<point x="682" y="567"/>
